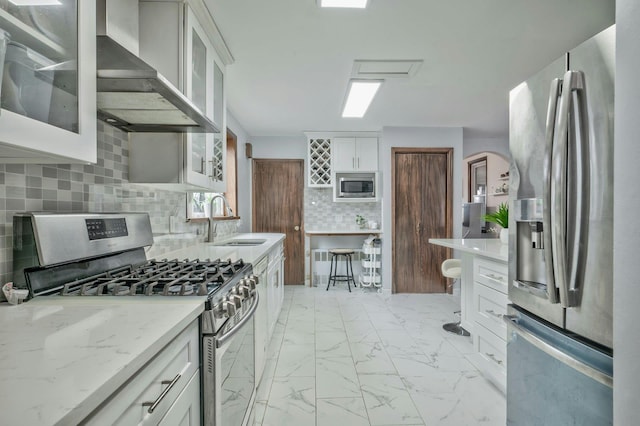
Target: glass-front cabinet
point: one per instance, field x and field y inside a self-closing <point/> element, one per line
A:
<point x="48" y="92"/>
<point x="201" y="158"/>
<point x="204" y="85"/>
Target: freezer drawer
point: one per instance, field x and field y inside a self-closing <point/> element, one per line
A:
<point x="553" y="379"/>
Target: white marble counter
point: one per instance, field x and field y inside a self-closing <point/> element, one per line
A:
<point x="342" y="231"/>
<point x="486" y="247"/>
<point x="60" y="357"/>
<point x="211" y="251"/>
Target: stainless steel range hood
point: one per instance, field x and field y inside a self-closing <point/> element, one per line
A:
<point x="135" y="97"/>
<point x="132" y="95"/>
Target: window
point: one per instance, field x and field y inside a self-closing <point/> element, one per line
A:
<point x="198" y="203"/>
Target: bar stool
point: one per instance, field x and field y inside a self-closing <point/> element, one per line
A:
<point x="452" y="268"/>
<point x="336" y="254"/>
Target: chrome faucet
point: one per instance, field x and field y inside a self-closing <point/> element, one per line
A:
<point x="212" y="224"/>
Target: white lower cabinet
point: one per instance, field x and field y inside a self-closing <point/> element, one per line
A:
<point x="276" y="286"/>
<point x="490" y="333"/>
<point x="185" y="411"/>
<point x="166" y="390"/>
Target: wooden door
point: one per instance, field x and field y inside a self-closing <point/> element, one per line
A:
<point x="278" y="191"/>
<point x="422" y="209"/>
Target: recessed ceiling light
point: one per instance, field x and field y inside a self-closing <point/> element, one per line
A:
<point x="36" y="2"/>
<point x="360" y="4"/>
<point x="359" y="96"/>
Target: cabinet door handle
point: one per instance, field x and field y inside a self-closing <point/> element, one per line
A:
<point x="153" y="405"/>
<point x="494" y="313"/>
<point x="494" y="359"/>
<point x="496" y="277"/>
<point x="358" y="162"/>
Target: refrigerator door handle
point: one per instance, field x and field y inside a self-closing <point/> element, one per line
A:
<point x="587" y="370"/>
<point x="567" y="270"/>
<point x="554" y="93"/>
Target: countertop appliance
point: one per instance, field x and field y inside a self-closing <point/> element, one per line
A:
<point x="559" y="350"/>
<point x="472" y="223"/>
<point x="102" y="255"/>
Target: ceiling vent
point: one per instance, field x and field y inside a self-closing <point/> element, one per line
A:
<point x="377" y="69"/>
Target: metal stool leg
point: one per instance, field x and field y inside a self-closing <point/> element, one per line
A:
<point x="347" y="261"/>
<point x="353" y="277"/>
<point x="331" y="272"/>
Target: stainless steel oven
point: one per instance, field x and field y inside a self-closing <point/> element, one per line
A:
<point x="229" y="378"/>
<point x="103" y="255"/>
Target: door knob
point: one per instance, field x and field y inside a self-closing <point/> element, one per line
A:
<point x="297" y="228"/>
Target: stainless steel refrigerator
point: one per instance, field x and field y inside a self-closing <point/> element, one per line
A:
<point x="559" y="349"/>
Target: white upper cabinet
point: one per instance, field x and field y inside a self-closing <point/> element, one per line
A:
<point x="354" y="154"/>
<point x="175" y="39"/>
<point x="48" y="93"/>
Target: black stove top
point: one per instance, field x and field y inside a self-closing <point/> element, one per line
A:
<point x="160" y="277"/>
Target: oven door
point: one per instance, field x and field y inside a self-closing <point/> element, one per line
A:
<point x="229" y="370"/>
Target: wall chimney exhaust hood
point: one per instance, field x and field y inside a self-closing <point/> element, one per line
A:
<point x="132" y="95"/>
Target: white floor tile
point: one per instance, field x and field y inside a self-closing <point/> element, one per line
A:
<point x="336" y="378"/>
<point x="332" y="344"/>
<point x="341" y="411"/>
<point x="364" y="358"/>
<point x="292" y="402"/>
<point x="388" y="401"/>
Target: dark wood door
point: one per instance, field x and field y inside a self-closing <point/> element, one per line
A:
<point x="278" y="191"/>
<point x="422" y="209"/>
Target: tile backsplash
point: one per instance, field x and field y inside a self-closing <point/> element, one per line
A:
<point x="321" y="212"/>
<point x="101" y="187"/>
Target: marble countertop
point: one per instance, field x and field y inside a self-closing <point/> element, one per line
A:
<point x="486" y="247"/>
<point x="342" y="231"/>
<point x="212" y="251"/>
<point x="61" y="357"/>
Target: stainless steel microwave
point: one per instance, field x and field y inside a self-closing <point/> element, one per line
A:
<point x="357" y="186"/>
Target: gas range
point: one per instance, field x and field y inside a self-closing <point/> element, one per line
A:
<point x="103" y="255"/>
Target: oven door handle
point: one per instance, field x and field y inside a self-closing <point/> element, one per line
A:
<point x="222" y="340"/>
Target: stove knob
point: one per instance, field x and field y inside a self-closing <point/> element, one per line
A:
<point x="224" y="309"/>
<point x="254" y="278"/>
<point x="250" y="282"/>
<point x="236" y="299"/>
<point x="244" y="290"/>
<point x="229" y="308"/>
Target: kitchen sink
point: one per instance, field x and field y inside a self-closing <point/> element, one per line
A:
<point x="241" y="243"/>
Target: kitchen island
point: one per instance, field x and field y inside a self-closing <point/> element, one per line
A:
<point x="64" y="358"/>
<point x="483" y="295"/>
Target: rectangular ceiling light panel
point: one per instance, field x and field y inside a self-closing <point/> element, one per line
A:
<point x="359" y="4"/>
<point x="359" y="97"/>
<point x="391" y="68"/>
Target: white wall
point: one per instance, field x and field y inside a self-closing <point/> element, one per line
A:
<point x="497" y="145"/>
<point x="244" y="174"/>
<point x="626" y="236"/>
<point x="279" y="147"/>
<point x="424" y="137"/>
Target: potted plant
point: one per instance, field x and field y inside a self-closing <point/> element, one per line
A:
<point x="500" y="217"/>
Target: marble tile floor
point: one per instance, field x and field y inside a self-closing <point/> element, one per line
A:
<point x="363" y="358"/>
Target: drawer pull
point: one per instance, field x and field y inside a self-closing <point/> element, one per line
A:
<point x="494" y="359"/>
<point x="153" y="405"/>
<point x="494" y="313"/>
<point x="496" y="277"/>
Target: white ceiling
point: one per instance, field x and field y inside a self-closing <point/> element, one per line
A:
<point x="293" y="60"/>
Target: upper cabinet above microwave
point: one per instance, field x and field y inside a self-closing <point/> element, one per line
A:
<point x="354" y="154"/>
<point x="48" y="93"/>
<point x="331" y="152"/>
